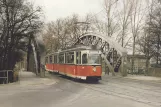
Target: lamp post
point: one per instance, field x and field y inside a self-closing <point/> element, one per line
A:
<point x="53" y="40"/>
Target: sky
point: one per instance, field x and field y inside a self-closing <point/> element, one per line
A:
<point x="55" y="9"/>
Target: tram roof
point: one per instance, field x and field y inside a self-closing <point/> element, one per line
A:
<point x="73" y="48"/>
<point x="77" y="47"/>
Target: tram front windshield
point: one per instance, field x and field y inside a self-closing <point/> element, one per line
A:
<point x="94" y="59"/>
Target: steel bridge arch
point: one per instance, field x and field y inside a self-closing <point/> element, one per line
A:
<point x="113" y="53"/>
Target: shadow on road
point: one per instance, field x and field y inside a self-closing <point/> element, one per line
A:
<point x="77" y="80"/>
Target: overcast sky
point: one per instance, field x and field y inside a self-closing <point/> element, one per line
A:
<point x="61" y="8"/>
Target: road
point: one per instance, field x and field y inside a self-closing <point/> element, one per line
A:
<point x="109" y="92"/>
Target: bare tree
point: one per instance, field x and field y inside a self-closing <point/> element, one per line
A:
<point x="155" y="31"/>
<point x="124" y="16"/>
<point x="64" y="32"/>
<point x="150" y="42"/>
<point x="146" y="47"/>
<point x="111" y="14"/>
<point x="136" y="25"/>
<point x="18" y="20"/>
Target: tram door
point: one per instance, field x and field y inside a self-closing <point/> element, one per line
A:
<point x="78" y="62"/>
<point x="78" y="57"/>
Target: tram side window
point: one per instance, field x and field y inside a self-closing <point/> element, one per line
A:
<point x="70" y="58"/>
<point x="61" y="58"/>
<point x="55" y="59"/>
<point x="84" y="59"/>
<point x="50" y="59"/>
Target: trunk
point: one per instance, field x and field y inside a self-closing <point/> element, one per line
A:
<point x="109" y="23"/>
<point x="28" y="53"/>
<point x="38" y="59"/>
<point x="28" y="58"/>
<point x="147" y="66"/>
<point x="158" y="48"/>
<point x="147" y="58"/>
<point x="157" y="59"/>
<point x="123" y="33"/>
<point x="7" y="35"/>
<point x="10" y="59"/>
<point x="133" y="57"/>
<point x="122" y="41"/>
<point x="1" y="61"/>
<point x="35" y="56"/>
<point x="5" y="59"/>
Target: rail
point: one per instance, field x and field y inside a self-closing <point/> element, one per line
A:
<point x="5" y="76"/>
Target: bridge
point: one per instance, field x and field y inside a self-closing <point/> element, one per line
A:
<point x="113" y="53"/>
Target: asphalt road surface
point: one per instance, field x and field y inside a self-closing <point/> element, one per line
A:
<point x="109" y="92"/>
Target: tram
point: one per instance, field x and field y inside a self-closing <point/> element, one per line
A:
<point x="79" y="62"/>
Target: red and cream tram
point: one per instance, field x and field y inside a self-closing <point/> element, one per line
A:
<point x="80" y="62"/>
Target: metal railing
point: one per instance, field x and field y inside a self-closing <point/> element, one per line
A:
<point x="5" y="75"/>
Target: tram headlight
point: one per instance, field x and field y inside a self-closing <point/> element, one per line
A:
<point x="94" y="69"/>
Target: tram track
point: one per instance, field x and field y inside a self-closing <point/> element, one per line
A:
<point x="133" y="84"/>
<point x="123" y="89"/>
<point x="140" y="91"/>
<point x="120" y="94"/>
<point x="158" y="84"/>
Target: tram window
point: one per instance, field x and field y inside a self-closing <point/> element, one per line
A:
<point x="55" y="59"/>
<point x="94" y="59"/>
<point x="70" y="57"/>
<point x="84" y="59"/>
<point x="61" y="58"/>
<point x="50" y="59"/>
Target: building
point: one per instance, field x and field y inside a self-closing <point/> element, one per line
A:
<point x="139" y="63"/>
